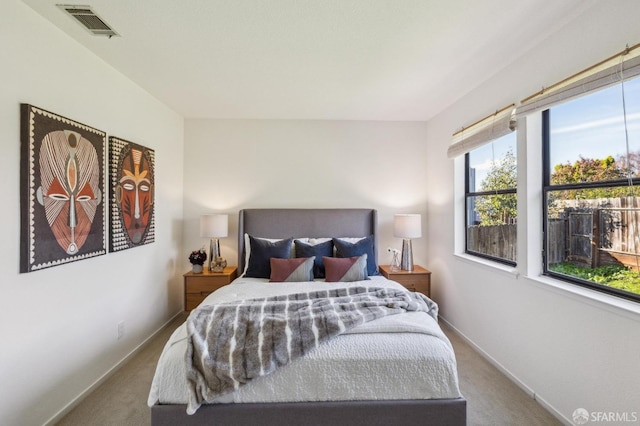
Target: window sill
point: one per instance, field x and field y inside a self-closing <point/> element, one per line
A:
<point x="488" y="264"/>
<point x="613" y="304"/>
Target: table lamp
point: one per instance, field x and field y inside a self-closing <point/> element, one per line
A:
<point x="407" y="226"/>
<point x="214" y="227"/>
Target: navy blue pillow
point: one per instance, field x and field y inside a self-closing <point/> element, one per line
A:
<point x="364" y="246"/>
<point x="261" y="253"/>
<point x="318" y="250"/>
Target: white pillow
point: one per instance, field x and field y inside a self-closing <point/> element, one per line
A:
<point x="351" y="240"/>
<point x="315" y="241"/>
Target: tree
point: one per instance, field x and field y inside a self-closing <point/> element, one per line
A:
<point x="630" y="163"/>
<point x="589" y="170"/>
<point x="500" y="208"/>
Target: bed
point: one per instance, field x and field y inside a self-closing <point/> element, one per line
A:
<point x="399" y="377"/>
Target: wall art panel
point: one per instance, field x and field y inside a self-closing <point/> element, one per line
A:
<point x="62" y="194"/>
<point x="131" y="173"/>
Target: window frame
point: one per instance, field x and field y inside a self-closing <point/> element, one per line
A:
<point x="467" y="195"/>
<point x="547" y="187"/>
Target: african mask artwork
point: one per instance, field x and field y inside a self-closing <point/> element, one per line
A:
<point x="62" y="190"/>
<point x="69" y="190"/>
<point x="132" y="194"/>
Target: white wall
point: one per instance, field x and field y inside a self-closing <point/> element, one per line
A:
<point x="236" y="164"/>
<point x="570" y="350"/>
<point x="58" y="326"/>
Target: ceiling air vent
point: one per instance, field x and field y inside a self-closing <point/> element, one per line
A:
<point x="88" y="19"/>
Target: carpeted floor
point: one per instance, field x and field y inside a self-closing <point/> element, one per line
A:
<point x="492" y="399"/>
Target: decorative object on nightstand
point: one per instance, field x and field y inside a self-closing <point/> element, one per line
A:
<point x="417" y="280"/>
<point x="214" y="227"/>
<point x="199" y="286"/>
<point x="407" y="226"/>
<point x="395" y="259"/>
<point x="197" y="259"/>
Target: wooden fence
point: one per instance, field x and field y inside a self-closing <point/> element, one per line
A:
<point x="597" y="233"/>
<point x="589" y="232"/>
<point x="496" y="240"/>
<point x="556" y="230"/>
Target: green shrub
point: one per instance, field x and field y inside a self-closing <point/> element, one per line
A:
<point x="619" y="277"/>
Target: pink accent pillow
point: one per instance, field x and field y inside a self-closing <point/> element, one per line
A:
<point x="291" y="270"/>
<point x="345" y="269"/>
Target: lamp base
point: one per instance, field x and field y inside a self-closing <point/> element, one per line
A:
<point x="214" y="252"/>
<point x="407" y="255"/>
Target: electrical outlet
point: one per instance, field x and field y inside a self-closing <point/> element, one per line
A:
<point x="120" y="330"/>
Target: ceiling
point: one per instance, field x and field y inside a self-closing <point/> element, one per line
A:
<point x="400" y="60"/>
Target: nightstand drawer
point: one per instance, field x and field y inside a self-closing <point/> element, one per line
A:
<point x="192" y="300"/>
<point x="412" y="282"/>
<point x="198" y="286"/>
<point x="417" y="280"/>
<point x="205" y="284"/>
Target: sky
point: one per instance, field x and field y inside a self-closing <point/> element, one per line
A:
<point x="591" y="126"/>
<point x="482" y="158"/>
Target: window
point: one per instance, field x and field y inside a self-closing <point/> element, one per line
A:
<point x="490" y="200"/>
<point x="591" y="189"/>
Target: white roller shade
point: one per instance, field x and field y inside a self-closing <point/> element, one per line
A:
<point x="484" y="131"/>
<point x="606" y="73"/>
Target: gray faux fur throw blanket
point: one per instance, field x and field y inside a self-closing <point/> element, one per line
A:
<point x="229" y="344"/>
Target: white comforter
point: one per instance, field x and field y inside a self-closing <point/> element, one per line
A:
<point x="408" y="357"/>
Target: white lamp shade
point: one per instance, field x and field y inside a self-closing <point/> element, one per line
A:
<point x="214" y="226"/>
<point x="407" y="226"/>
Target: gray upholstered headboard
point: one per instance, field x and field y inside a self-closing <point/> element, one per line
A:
<point x="300" y="223"/>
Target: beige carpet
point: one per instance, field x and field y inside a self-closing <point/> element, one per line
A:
<point x="492" y="399"/>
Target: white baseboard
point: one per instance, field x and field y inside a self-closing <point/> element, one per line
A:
<point x="532" y="393"/>
<point x="71" y="405"/>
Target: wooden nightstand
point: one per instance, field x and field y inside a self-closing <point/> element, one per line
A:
<point x="417" y="280"/>
<point x="199" y="286"/>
